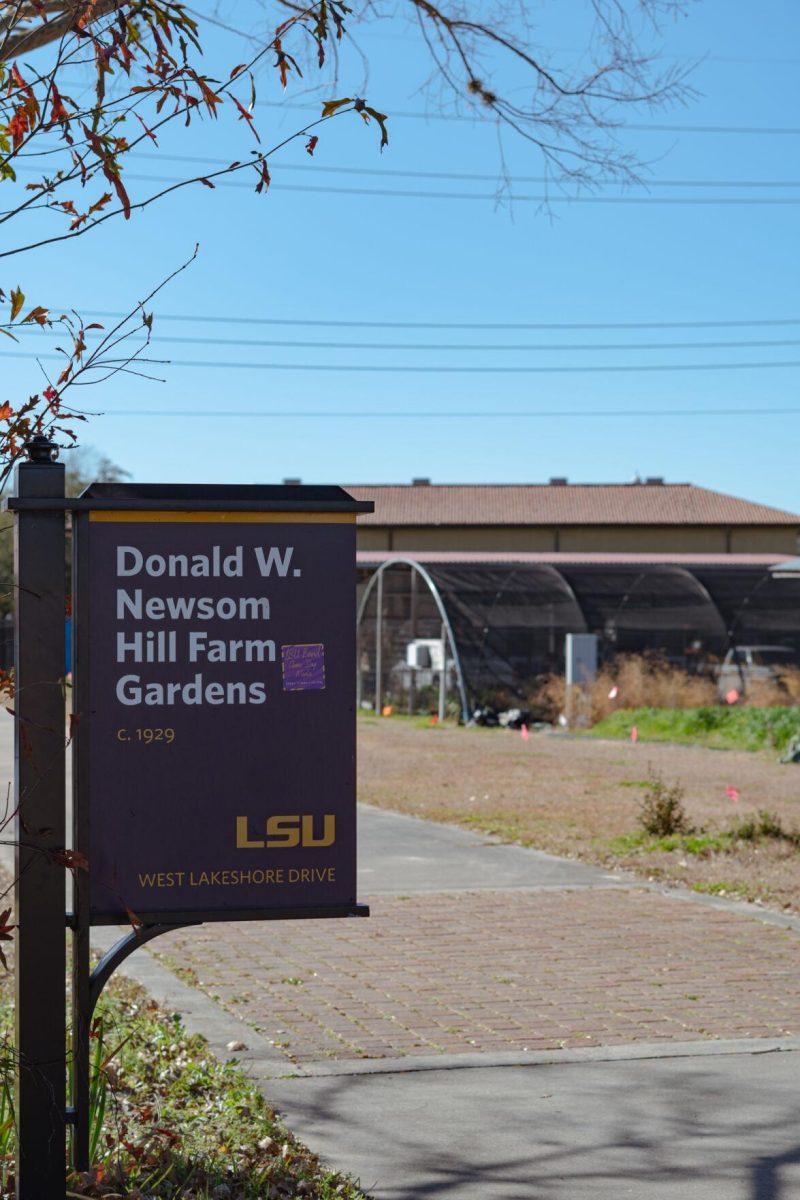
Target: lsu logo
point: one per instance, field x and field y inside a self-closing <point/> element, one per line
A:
<point x="288" y="832"/>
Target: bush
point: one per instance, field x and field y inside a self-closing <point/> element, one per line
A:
<point x="661" y="811"/>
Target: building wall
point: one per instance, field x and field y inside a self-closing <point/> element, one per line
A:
<point x="769" y="539"/>
<point x="643" y="539"/>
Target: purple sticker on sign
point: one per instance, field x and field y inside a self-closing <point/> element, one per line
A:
<point x="303" y="667"/>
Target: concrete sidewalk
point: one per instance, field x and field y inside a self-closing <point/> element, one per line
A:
<point x="726" y="1128"/>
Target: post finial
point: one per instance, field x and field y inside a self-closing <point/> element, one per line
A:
<point x="40" y="449"/>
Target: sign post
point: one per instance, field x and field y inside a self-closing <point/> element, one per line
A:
<point x="580" y="654"/>
<point x="39" y="828"/>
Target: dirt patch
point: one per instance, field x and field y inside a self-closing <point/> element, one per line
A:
<point x="580" y="798"/>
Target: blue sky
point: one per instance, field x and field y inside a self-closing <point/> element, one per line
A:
<point x="318" y="255"/>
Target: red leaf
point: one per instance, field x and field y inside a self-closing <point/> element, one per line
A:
<point x="58" y="111"/>
<point x="72" y="859"/>
<point x="247" y="116"/>
<point x="149" y="132"/>
<point x="38" y="315"/>
<point x="311" y="145"/>
<point x="264" y="179"/>
<point x="5" y="934"/>
<point x="18" y="126"/>
<point x="119" y="188"/>
<point x="93" y="208"/>
<point x="136" y="922"/>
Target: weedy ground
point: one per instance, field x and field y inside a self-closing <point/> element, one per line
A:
<point x="581" y="797"/>
<point x="170" y="1122"/>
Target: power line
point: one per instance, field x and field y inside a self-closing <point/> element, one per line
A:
<point x="460" y="347"/>
<point x="515" y="197"/>
<point x="465" y="176"/>
<point x="423" y="414"/>
<point x="791" y="130"/>
<point x="510" y="197"/>
<point x="198" y="318"/>
<point x="362" y="368"/>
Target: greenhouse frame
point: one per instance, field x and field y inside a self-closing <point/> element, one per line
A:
<point x="465" y="624"/>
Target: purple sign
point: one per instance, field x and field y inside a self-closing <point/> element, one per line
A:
<point x="303" y="667"/>
<point x="221" y="712"/>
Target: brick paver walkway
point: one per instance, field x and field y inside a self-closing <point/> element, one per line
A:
<point x="459" y="973"/>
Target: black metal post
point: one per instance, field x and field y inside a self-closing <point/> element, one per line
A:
<point x="81" y="1002"/>
<point x="412" y="671"/>
<point x="39" y="749"/>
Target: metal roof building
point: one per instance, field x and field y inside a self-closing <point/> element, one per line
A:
<point x="562" y="516"/>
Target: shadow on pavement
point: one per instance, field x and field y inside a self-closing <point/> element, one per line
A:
<point x="767" y="1175"/>
<point x="656" y="1130"/>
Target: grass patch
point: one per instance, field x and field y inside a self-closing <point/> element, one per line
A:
<point x="718" y="727"/>
<point x="758" y="828"/>
<point x="701" y="844"/>
<point x="507" y="830"/>
<point x="176" y="1124"/>
<point x="732" y="890"/>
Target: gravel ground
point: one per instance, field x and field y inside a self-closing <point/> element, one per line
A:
<point x="573" y="796"/>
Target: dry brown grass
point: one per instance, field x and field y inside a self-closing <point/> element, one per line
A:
<point x="762" y="693"/>
<point x="638" y="681"/>
<point x="574" y="796"/>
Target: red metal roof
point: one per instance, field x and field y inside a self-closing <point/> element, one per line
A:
<point x="371" y="558"/>
<point x="562" y="504"/>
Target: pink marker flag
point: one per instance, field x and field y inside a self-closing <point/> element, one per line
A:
<point x="733" y="794"/>
<point x="523" y="732"/>
<point x="634" y="734"/>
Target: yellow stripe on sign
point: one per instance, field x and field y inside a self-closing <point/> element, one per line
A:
<point x="132" y="516"/>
